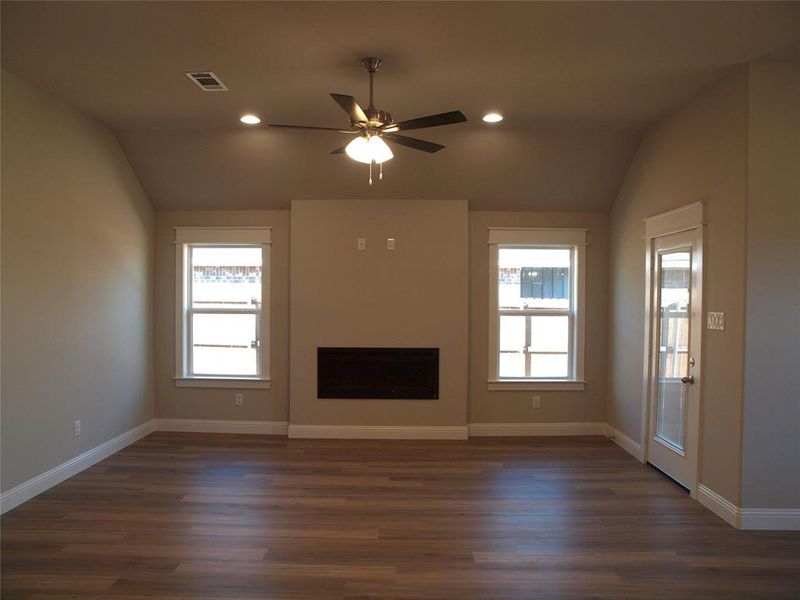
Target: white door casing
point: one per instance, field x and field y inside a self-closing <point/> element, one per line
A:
<point x="672" y="382"/>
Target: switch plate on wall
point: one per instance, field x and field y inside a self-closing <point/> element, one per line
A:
<point x="238" y="398"/>
<point x="78" y="428"/>
<point x="716" y="321"/>
<point x="361" y="244"/>
<point x="536" y="402"/>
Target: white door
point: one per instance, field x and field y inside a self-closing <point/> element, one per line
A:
<point x="674" y="380"/>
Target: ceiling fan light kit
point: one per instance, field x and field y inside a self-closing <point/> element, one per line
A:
<point x="369" y="149"/>
<point x="374" y="127"/>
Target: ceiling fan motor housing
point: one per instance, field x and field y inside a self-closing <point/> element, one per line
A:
<point x="376" y="117"/>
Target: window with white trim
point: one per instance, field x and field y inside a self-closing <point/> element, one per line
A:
<point x="536" y="328"/>
<point x="222" y="306"/>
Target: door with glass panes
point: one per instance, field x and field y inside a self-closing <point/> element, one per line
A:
<point x="674" y="373"/>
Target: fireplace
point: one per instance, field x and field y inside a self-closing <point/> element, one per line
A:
<point x="378" y="373"/>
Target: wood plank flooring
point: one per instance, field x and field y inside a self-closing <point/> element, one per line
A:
<point x="205" y="516"/>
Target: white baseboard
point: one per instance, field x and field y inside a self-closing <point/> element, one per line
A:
<point x="628" y="444"/>
<point x="222" y="426"/>
<point x="43" y="482"/>
<point x="779" y="519"/>
<point x="785" y="519"/>
<point x="379" y="432"/>
<point x="723" y="508"/>
<point x="534" y="429"/>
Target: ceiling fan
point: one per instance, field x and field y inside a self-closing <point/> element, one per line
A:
<point x="375" y="127"/>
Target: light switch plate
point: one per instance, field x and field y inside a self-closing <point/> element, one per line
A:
<point x="362" y="244"/>
<point x="715" y="321"/>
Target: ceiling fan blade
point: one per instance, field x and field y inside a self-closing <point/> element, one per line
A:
<point x="339" y="129"/>
<point x="412" y="142"/>
<point x="448" y="118"/>
<point x="351" y="107"/>
<point x="338" y="150"/>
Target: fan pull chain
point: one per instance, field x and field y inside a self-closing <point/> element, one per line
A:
<point x="380" y="172"/>
<point x="370" y="172"/>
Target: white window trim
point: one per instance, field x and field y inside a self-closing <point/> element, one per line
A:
<point x="222" y="382"/>
<point x="525" y="236"/>
<point x="185" y="236"/>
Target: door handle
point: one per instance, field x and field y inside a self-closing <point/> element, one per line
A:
<point x="689" y="380"/>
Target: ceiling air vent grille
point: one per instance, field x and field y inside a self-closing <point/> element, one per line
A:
<point x="207" y="81"/>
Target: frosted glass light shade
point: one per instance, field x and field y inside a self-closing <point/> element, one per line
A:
<point x="367" y="150"/>
<point x="379" y="149"/>
<point x="359" y="150"/>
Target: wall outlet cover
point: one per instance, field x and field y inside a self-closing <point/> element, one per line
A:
<point x="715" y="321"/>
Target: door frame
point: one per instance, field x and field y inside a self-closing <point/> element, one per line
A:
<point x="685" y="218"/>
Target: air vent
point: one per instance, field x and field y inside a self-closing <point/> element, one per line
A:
<point x="207" y="81"/>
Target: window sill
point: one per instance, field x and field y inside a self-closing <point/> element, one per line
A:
<point x="556" y="385"/>
<point x="222" y="382"/>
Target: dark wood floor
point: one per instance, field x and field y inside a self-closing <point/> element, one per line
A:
<point x="201" y="516"/>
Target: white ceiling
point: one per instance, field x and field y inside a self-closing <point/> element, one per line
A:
<point x="577" y="83"/>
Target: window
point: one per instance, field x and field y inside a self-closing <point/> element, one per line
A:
<point x="536" y="326"/>
<point x="222" y="307"/>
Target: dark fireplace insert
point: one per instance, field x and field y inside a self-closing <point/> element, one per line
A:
<point x="378" y="373"/>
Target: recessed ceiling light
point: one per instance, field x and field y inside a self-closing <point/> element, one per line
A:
<point x="250" y="119"/>
<point x="492" y="117"/>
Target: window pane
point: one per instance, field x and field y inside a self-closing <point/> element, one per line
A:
<point x="549" y="334"/>
<point x="534" y="277"/>
<point x="221" y="344"/>
<point x="226" y="277"/>
<point x="549" y="347"/>
<point x="549" y="365"/>
<point x="512" y="334"/>
<point x="512" y="347"/>
<point x="532" y="346"/>
<point x="512" y="365"/>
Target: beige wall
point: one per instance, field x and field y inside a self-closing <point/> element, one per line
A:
<point x="515" y="406"/>
<point x="771" y="435"/>
<point x="218" y="403"/>
<point x="414" y="296"/>
<point x="77" y="235"/>
<point x="698" y="153"/>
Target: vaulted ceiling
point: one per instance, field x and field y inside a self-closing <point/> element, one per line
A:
<point x="577" y="83"/>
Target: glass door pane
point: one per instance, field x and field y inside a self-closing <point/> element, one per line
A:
<point x="674" y="287"/>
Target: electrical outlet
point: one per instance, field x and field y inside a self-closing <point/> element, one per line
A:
<point x="238" y="398"/>
<point x="536" y="402"/>
<point x="78" y="428"/>
<point x="361" y="244"/>
<point x="390" y="243"/>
